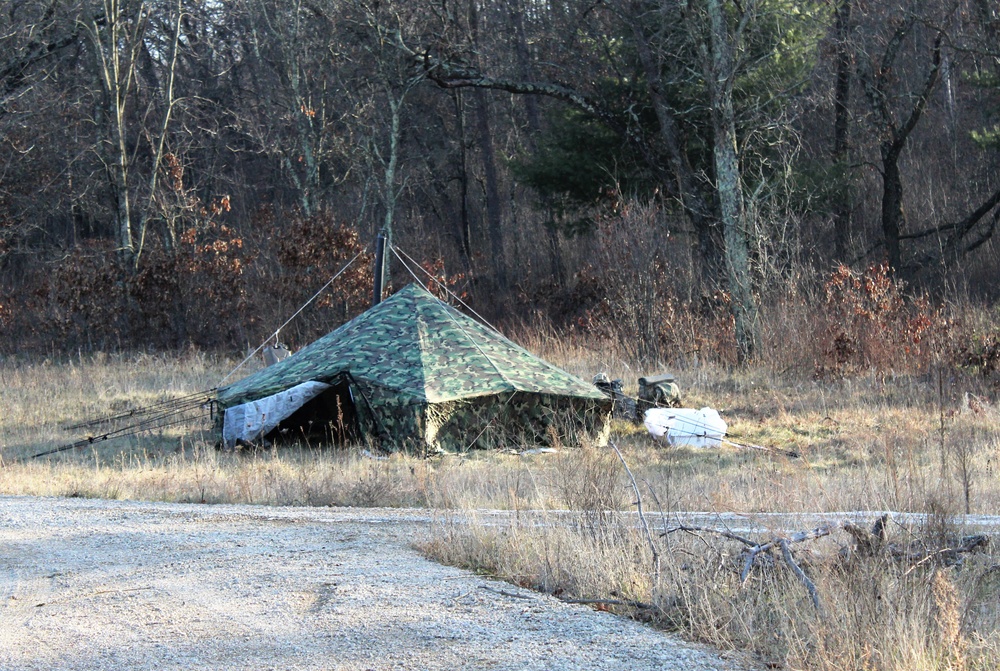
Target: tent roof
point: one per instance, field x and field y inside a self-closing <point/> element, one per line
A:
<point x="420" y="347"/>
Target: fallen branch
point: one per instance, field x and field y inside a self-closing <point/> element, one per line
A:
<point x="818" y="532"/>
<point x="611" y="602"/>
<point x="721" y="532"/>
<point x="949" y="554"/>
<point x="757" y="548"/>
<point x="503" y="592"/>
<point x="751" y="558"/>
<point x="874" y="542"/>
<point x="800" y="574"/>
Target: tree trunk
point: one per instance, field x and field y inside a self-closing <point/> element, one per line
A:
<point x="494" y="216"/>
<point x="465" y="225"/>
<point x="390" y="179"/>
<point x="895" y="135"/>
<point x="170" y="234"/>
<point x="841" y="100"/>
<point x="116" y="45"/>
<point x="556" y="265"/>
<point x="892" y="203"/>
<point x="721" y="71"/>
<point x="494" y="223"/>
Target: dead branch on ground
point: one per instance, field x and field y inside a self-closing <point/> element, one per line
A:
<point x="755" y="549"/>
<point x="866" y="544"/>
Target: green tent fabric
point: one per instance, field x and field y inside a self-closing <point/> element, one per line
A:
<point x="420" y="374"/>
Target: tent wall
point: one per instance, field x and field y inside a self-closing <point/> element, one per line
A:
<point x="508" y="421"/>
<point x="516" y="421"/>
<point x="395" y="420"/>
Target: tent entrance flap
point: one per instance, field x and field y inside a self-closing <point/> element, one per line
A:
<point x="331" y="417"/>
<point x="248" y="421"/>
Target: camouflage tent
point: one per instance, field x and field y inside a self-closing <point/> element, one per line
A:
<point x="415" y="373"/>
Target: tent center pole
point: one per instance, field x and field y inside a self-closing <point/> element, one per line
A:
<point x="379" y="269"/>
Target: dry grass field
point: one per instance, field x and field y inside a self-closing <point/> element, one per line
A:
<point x="925" y="444"/>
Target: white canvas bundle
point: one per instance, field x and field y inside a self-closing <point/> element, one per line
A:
<point x="686" y="426"/>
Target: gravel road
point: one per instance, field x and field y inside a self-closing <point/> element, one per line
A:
<point x="88" y="584"/>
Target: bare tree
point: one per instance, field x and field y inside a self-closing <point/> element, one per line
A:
<point x="720" y="74"/>
<point x="841" y="113"/>
<point x="117" y="40"/>
<point x="895" y="116"/>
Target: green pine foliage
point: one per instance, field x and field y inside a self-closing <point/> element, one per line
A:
<point x="988" y="137"/>
<point x="579" y="162"/>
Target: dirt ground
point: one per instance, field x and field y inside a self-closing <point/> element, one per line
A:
<point x="88" y="584"/>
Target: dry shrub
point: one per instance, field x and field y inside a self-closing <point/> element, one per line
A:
<point x="634" y="293"/>
<point x="306" y="253"/>
<point x="869" y="324"/>
<point x="542" y="553"/>
<point x="588" y="479"/>
<point x="81" y="301"/>
<point x="373" y="487"/>
<point x="979" y="352"/>
<point x="852" y="324"/>
<point x="947" y="619"/>
<point x="211" y="287"/>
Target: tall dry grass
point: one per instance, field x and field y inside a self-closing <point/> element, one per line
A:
<point x="879" y="612"/>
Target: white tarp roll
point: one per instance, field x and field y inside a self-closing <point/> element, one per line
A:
<point x="686" y="426"/>
<point x="248" y="421"/>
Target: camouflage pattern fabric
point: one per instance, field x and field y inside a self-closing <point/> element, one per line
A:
<point x="660" y="394"/>
<point x="418" y="364"/>
<point x="517" y="421"/>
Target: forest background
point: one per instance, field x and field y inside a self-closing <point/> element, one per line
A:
<point x="692" y="179"/>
